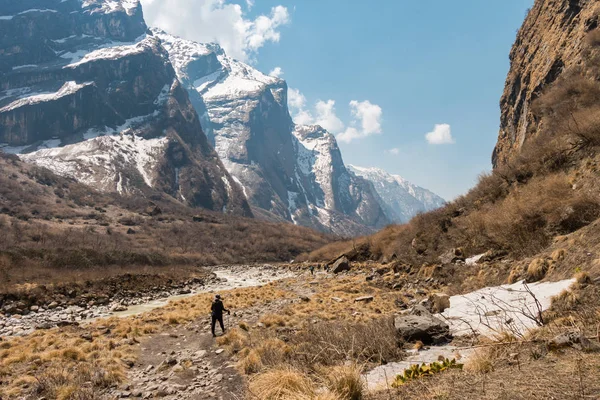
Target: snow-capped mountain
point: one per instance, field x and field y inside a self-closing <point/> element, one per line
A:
<point x="90" y="92"/>
<point x="291" y="172"/>
<point x="87" y="91"/>
<point x="402" y="199"/>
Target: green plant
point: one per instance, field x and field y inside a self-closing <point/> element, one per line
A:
<point x="420" y="371"/>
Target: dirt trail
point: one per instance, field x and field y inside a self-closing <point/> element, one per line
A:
<point x="185" y="361"/>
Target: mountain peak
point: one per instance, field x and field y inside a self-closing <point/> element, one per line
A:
<point x="403" y="200"/>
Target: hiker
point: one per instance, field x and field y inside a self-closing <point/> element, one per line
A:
<point x="216" y="313"/>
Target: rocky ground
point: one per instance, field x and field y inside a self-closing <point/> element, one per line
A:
<point x="181" y="359"/>
<point x="17" y="318"/>
<point x="186" y="363"/>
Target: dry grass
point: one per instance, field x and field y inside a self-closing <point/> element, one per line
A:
<point x="281" y="384"/>
<point x="537" y="270"/>
<point x="58" y="358"/>
<point x="345" y="381"/>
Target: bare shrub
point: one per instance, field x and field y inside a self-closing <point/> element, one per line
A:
<point x="331" y="342"/>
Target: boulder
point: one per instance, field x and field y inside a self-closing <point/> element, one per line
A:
<point x="342" y="264"/>
<point x="420" y="325"/>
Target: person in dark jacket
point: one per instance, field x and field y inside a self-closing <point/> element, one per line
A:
<point x="216" y="313"/>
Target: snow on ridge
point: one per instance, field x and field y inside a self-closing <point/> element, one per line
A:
<point x="400" y="197"/>
<point x="110" y="50"/>
<point x="105" y="154"/>
<point x="111" y="6"/>
<point x="232" y="79"/>
<point x="182" y="51"/>
<point x="241" y="80"/>
<point x="70" y="87"/>
<point x="42" y="10"/>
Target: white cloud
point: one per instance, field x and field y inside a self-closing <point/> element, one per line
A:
<point x="296" y="99"/>
<point x="326" y="116"/>
<point x="217" y="21"/>
<point x="366" y="116"/>
<point x="304" y="117"/>
<point x="393" y="151"/>
<point x="441" y="134"/>
<point x="369" y="115"/>
<point x="297" y="105"/>
<point x="276" y="72"/>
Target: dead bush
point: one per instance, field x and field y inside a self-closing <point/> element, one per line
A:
<point x="329" y="343"/>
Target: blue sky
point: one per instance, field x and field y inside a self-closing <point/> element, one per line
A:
<point x="421" y="62"/>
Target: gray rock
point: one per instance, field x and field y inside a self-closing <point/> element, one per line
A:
<point x="364" y="299"/>
<point x="341" y="265"/>
<point x="420" y="325"/>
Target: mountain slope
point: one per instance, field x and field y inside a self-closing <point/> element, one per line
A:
<point x="551" y="41"/>
<point x="89" y="92"/>
<point x="402" y="199"/>
<point x="293" y="172"/>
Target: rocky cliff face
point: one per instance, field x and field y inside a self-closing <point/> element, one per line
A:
<point x="401" y="199"/>
<point x="87" y="91"/>
<point x="291" y="172"/>
<point x="549" y="42"/>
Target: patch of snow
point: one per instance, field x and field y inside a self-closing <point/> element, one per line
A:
<point x="473" y="260"/>
<point x="42" y="10"/>
<point x="235" y="178"/>
<point x="493" y="310"/>
<point x="24" y="66"/>
<point x="120" y="184"/>
<point x="163" y="96"/>
<point x="381" y="378"/>
<point x="111" y="50"/>
<point x="227" y="184"/>
<point x="6" y="17"/>
<point x="485" y="311"/>
<point x="202" y="83"/>
<point x="292" y="205"/>
<point x="105" y="155"/>
<point x="68" y="88"/>
<point x="63" y="40"/>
